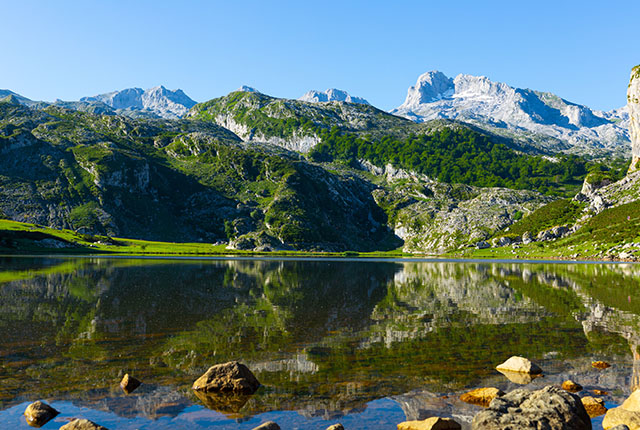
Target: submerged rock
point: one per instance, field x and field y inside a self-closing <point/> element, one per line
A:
<point x="519" y="364"/>
<point x="481" y="396"/>
<point x="571" y="386"/>
<point x="519" y="378"/>
<point x="594" y="407"/>
<point x="39" y="413"/>
<point x="433" y="423"/>
<point x="82" y="424"/>
<point x="227" y="377"/>
<point x="550" y="408"/>
<point x="129" y="383"/>
<point x="229" y="404"/>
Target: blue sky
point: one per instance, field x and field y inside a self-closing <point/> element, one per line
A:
<point x="580" y="50"/>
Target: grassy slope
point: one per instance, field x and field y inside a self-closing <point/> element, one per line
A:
<point x="24" y="239"/>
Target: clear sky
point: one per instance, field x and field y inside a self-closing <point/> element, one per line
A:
<point x="581" y="50"/>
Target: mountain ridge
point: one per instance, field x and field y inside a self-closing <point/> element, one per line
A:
<point x="500" y="107"/>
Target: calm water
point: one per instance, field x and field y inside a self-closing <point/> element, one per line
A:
<point x="365" y="343"/>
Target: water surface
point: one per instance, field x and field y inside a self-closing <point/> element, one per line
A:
<point x="365" y="343"/>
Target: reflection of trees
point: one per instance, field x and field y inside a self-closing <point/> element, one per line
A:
<point x="322" y="336"/>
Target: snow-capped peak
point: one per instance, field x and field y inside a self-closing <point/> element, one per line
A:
<point x="247" y="89"/>
<point x="330" y="95"/>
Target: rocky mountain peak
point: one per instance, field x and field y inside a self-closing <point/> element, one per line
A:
<point x="247" y="89"/>
<point x="157" y="100"/>
<point x="633" y="106"/>
<point x="430" y="87"/>
<point x="552" y="123"/>
<point x="331" y="95"/>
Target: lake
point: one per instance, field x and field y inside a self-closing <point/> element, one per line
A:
<point x="367" y="343"/>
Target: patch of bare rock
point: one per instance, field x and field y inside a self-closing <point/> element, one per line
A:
<point x="82" y="424"/>
<point x="433" y="423"/>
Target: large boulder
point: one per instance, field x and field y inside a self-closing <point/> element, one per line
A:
<point x="39" y="413"/>
<point x="521" y="365"/>
<point x="627" y="413"/>
<point x="82" y="424"/>
<point x="269" y="425"/>
<point x="231" y="377"/>
<point x="550" y="408"/>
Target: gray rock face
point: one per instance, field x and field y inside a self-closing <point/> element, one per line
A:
<point x="500" y="107"/>
<point x="157" y="101"/>
<point x="549" y="408"/>
<point x="633" y="105"/>
<point x="331" y="95"/>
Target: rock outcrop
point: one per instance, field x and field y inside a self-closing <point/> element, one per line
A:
<point x="633" y="105"/>
<point x="557" y="124"/>
<point x="594" y="406"/>
<point x="549" y="408"/>
<point x="231" y="377"/>
<point x="331" y="95"/>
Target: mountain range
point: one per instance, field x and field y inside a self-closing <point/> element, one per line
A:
<point x="540" y="121"/>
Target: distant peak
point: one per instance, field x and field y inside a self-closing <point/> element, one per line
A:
<point x="247" y="89"/>
<point x="330" y="95"/>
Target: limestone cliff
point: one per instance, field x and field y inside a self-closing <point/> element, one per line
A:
<point x="633" y="103"/>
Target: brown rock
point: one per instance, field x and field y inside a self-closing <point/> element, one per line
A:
<point x="228" y="377"/>
<point x="600" y="364"/>
<point x="481" y="396"/>
<point x="571" y="386"/>
<point x="336" y="427"/>
<point x="82" y="425"/>
<point x="269" y="425"/>
<point x="600" y="392"/>
<point x="38" y="414"/>
<point x="433" y="423"/>
<point x="594" y="407"/>
<point x="129" y="383"/>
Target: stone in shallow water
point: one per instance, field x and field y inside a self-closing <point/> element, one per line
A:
<point x="594" y="407"/>
<point x="571" y="386"/>
<point x="129" y="383"/>
<point x="550" y="408"/>
<point x="229" y="404"/>
<point x="39" y="413"/>
<point x="336" y="427"/>
<point x="433" y="423"/>
<point x="520" y="364"/>
<point x="82" y="424"/>
<point x="227" y="377"/>
<point x="600" y="364"/>
<point x="481" y="396"/>
<point x="269" y="425"/>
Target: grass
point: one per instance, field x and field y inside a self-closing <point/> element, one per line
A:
<point x="24" y="238"/>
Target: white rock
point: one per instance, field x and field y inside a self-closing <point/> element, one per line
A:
<point x="331" y="95"/>
<point x="519" y="364"/>
<point x="633" y="106"/>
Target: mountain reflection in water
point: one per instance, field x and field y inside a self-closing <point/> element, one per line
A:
<point x="326" y="338"/>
